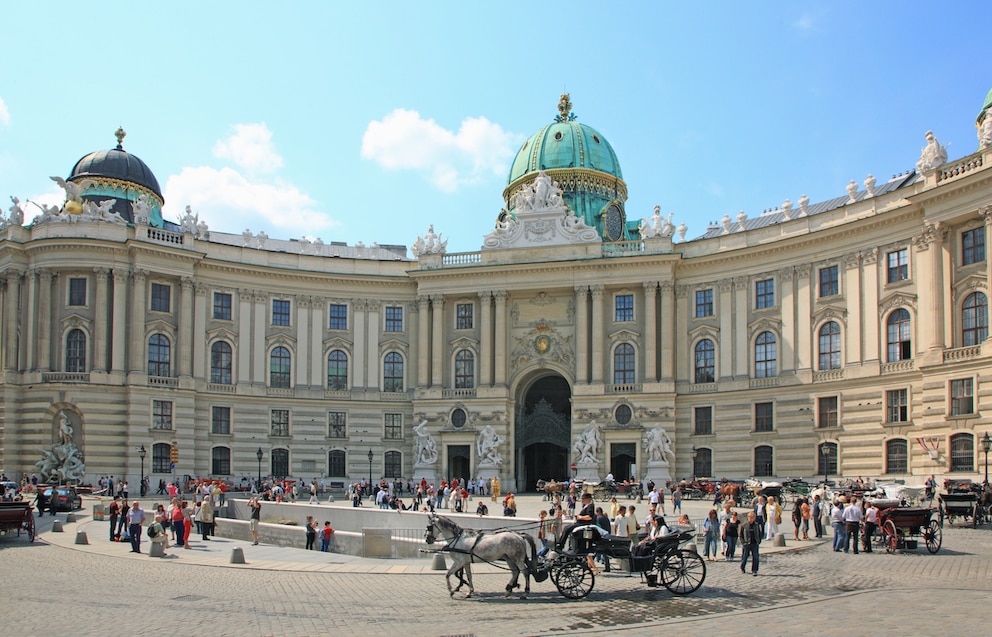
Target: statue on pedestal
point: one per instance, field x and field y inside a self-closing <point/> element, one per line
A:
<point x="658" y="445"/>
<point x="64" y="463"/>
<point x="426" y="446"/>
<point x="586" y="447"/>
<point x="487" y="447"/>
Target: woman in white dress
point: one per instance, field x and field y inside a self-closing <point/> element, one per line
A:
<point x="773" y="517"/>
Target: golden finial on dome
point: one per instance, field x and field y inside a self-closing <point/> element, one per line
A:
<point x="565" y="113"/>
<point x="120" y="135"/>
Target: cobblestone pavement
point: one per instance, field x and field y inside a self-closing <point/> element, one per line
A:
<point x="51" y="587"/>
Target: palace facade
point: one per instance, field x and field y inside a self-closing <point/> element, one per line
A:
<point x="847" y="336"/>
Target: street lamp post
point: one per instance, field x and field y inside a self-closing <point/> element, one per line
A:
<point x="259" y="454"/>
<point x="986" y="446"/>
<point x="825" y="452"/>
<point x="694" y="454"/>
<point x="141" y="478"/>
<point x="370" y="471"/>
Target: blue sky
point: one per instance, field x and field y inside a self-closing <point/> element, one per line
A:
<point x="370" y="121"/>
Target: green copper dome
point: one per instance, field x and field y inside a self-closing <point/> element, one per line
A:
<point x="583" y="163"/>
<point x="986" y="105"/>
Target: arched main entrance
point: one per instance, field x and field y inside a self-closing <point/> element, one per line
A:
<point x="543" y="430"/>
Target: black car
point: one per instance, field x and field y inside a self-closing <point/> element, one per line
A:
<point x="67" y="500"/>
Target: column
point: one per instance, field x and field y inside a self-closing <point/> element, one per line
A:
<point x="136" y="332"/>
<point x="372" y="351"/>
<point x="423" y="341"/>
<point x="582" y="334"/>
<point x="650" y="329"/>
<point x="869" y="261"/>
<point x="787" y="340"/>
<point x="45" y="319"/>
<point x="852" y="294"/>
<point x="28" y="352"/>
<point x="725" y="346"/>
<point x="598" y="340"/>
<point x="667" y="330"/>
<point x="302" y="327"/>
<point x="486" y="338"/>
<point x="804" y="328"/>
<point x="437" y="340"/>
<point x="741" y="342"/>
<point x="200" y="331"/>
<point x="119" y="323"/>
<point x="186" y="335"/>
<point x="683" y="355"/>
<point x="10" y="319"/>
<point x="260" y="357"/>
<point x="244" y="336"/>
<point x="101" y="316"/>
<point x="986" y="214"/>
<point x="502" y="329"/>
<point x="360" y="351"/>
<point x="318" y="312"/>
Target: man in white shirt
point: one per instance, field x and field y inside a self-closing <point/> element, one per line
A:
<point x="871" y="523"/>
<point x="852" y="524"/>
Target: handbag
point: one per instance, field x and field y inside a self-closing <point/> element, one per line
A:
<point x="778" y="519"/>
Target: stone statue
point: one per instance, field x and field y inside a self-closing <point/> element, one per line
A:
<point x="16" y="217"/>
<point x="803" y="206"/>
<point x="141" y="210"/>
<point x="65" y="429"/>
<point x="189" y="221"/>
<point x="48" y="214"/>
<point x="542" y="194"/>
<point x="487" y="447"/>
<point x="668" y="229"/>
<point x="725" y="222"/>
<point x="202" y="231"/>
<point x="64" y="462"/>
<point x="741" y="218"/>
<point x="985" y="130"/>
<point x="658" y="445"/>
<point x="852" y="191"/>
<point x="430" y="243"/>
<point x="73" y="190"/>
<point x="787" y="208"/>
<point x="586" y="447"/>
<point x="260" y="239"/>
<point x="870" y="185"/>
<point x="682" y="230"/>
<point x="426" y="446"/>
<point x="247" y="237"/>
<point x="932" y="155"/>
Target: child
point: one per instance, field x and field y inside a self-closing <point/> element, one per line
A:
<point x="325" y="537"/>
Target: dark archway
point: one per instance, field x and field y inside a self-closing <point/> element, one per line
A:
<point x="543" y="430"/>
<point x="459" y="462"/>
<point x="623" y="455"/>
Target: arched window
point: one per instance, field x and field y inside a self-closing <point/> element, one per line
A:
<point x="75" y="351"/>
<point x="765" y="356"/>
<point x="160" y="458"/>
<point x="393" y="465"/>
<point x="826" y="458"/>
<point x="763" y="466"/>
<point x="337" y="370"/>
<point x="962" y="452"/>
<point x="900" y="344"/>
<point x="220" y="363"/>
<point x="830" y="346"/>
<point x="705" y="361"/>
<point x="159" y="355"/>
<point x="464" y="369"/>
<point x="392" y="372"/>
<point x="623" y="364"/>
<point x="280" y="366"/>
<point x="280" y="463"/>
<point x="336" y="464"/>
<point x="896" y="456"/>
<point x="974" y="319"/>
<point x="220" y="461"/>
<point x="702" y="463"/>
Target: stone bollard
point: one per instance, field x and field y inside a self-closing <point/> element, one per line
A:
<point x="81" y="537"/>
<point x="438" y="563"/>
<point x="56" y="526"/>
<point x="779" y="539"/>
<point x="157" y="549"/>
<point x="70" y="518"/>
<point x="237" y="555"/>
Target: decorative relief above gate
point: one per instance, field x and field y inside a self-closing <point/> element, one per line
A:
<point x="542" y="344"/>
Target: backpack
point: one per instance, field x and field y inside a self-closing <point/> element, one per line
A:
<point x="153" y="530"/>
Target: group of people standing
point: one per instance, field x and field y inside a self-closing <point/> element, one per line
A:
<point x="179" y="517"/>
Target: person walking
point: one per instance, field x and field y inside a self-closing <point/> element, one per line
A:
<point x="677" y="500"/>
<point x="135" y="519"/>
<point x="256" y="512"/>
<point x="750" y="537"/>
<point x="730" y="534"/>
<point x="114" y="511"/>
<point x="711" y="527"/>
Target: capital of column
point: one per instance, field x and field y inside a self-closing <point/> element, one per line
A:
<point x="725" y="284"/>
<point x="246" y="295"/>
<point x="596" y="290"/>
<point x="786" y="273"/>
<point x="423" y="302"/>
<point x="581" y="290"/>
<point x="650" y="287"/>
<point x="139" y="276"/>
<point x="302" y="301"/>
<point x="437" y="300"/>
<point x="869" y="256"/>
<point x="373" y="305"/>
<point x="682" y="291"/>
<point x="740" y="282"/>
<point x="200" y="289"/>
<point x="803" y="270"/>
<point x="500" y="296"/>
<point x="260" y="296"/>
<point x="186" y="283"/>
<point x="45" y="274"/>
<point x="986" y="214"/>
<point x="667" y="288"/>
<point x="13" y="275"/>
<point x="360" y="305"/>
<point x="485" y="295"/>
<point x="101" y="271"/>
<point x="120" y="276"/>
<point x="852" y="260"/>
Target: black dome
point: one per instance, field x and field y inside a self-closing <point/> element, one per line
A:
<point x="116" y="163"/>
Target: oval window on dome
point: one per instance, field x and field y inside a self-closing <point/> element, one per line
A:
<point x="595" y="138"/>
<point x="558" y="136"/>
<point x="613" y="223"/>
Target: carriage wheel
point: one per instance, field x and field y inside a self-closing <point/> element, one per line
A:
<point x="574" y="579"/>
<point x="682" y="572"/>
<point x="32" y="531"/>
<point x="974" y="516"/>
<point x="932" y="534"/>
<point x="891" y="536"/>
<point x="603" y="495"/>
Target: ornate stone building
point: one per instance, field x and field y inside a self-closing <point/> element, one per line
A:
<point x="846" y="336"/>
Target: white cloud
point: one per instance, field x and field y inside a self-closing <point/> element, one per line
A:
<point x="403" y="140"/>
<point x="226" y="200"/>
<point x="804" y="23"/>
<point x="251" y="148"/>
<point x="4" y="113"/>
<point x="53" y="197"/>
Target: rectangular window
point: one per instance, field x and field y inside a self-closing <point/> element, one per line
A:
<point x="280" y="422"/>
<point x="973" y="246"/>
<point x="898" y="265"/>
<point x="336" y="464"/>
<point x="624" y="310"/>
<point x="77" y="291"/>
<point x="829" y="281"/>
<point x="394" y="318"/>
<point x="221" y="461"/>
<point x="704" y="303"/>
<point x="764" y="294"/>
<point x="463" y="316"/>
<point x="393" y="427"/>
<point x="335" y="424"/>
<point x="962" y="397"/>
<point x="827" y="412"/>
<point x="338" y="316"/>
<point x="161" y="414"/>
<point x="222" y="306"/>
<point x="703" y="425"/>
<point x="897" y="405"/>
<point x="280" y="312"/>
<point x="161" y="297"/>
<point x="763" y="417"/>
<point x="220" y="420"/>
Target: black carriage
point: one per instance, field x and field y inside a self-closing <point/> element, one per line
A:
<point x="967" y="505"/>
<point x="901" y="527"/>
<point x="18" y="516"/>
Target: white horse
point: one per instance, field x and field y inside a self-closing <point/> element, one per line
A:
<point x="465" y="545"/>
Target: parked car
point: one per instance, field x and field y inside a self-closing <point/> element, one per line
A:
<point x="68" y="499"/>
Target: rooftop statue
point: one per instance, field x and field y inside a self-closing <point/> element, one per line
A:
<point x="141" y="210"/>
<point x="189" y="221"/>
<point x="932" y="155"/>
<point x="430" y="243"/>
<point x="985" y="130"/>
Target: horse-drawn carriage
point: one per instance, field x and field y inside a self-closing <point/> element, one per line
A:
<point x="18" y="516"/>
<point x="661" y="562"/>
<point x="900" y="527"/>
<point x="965" y="499"/>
